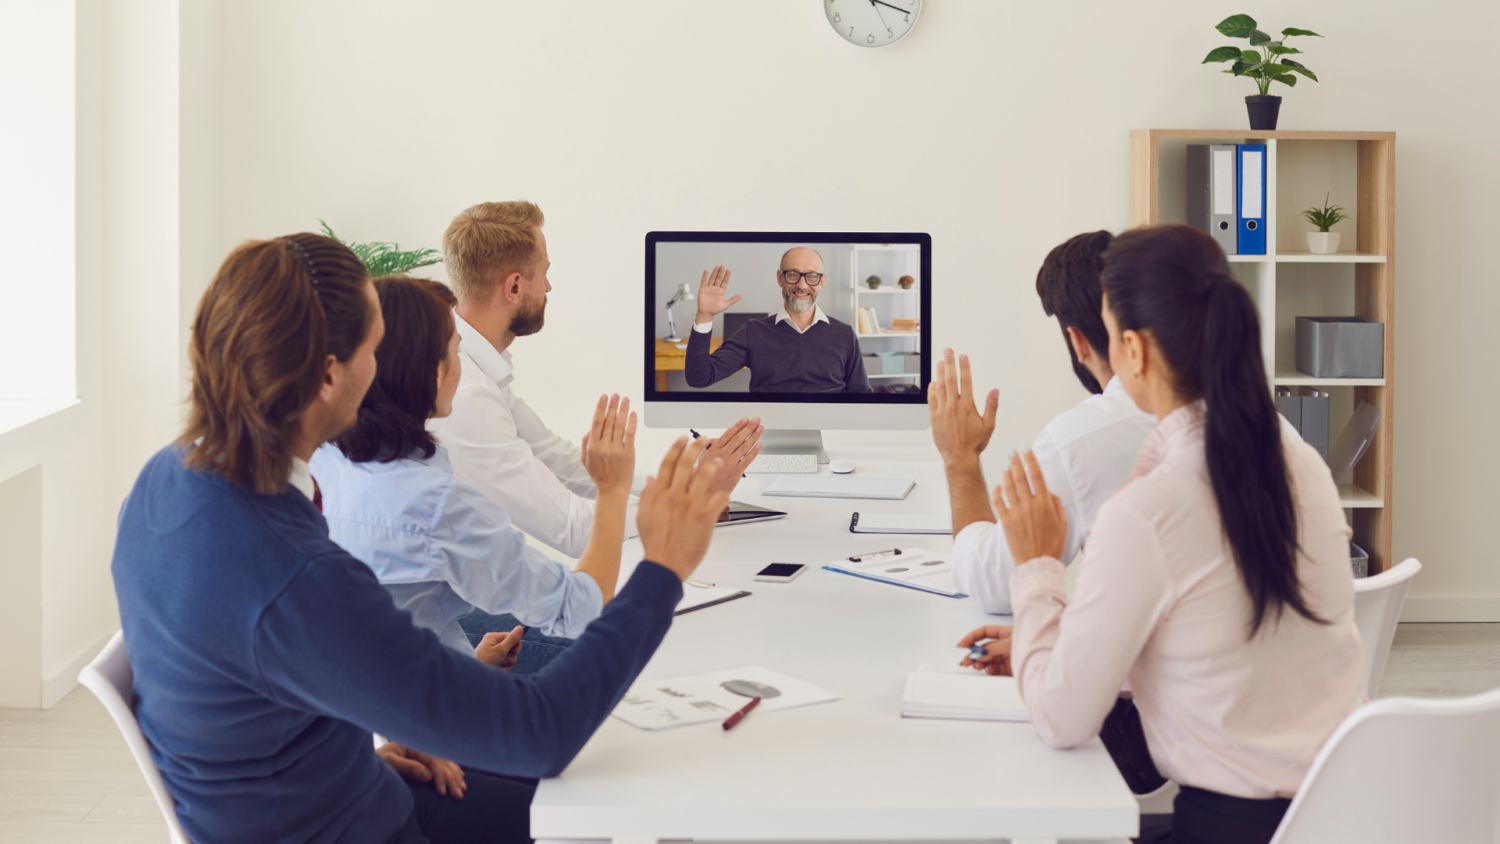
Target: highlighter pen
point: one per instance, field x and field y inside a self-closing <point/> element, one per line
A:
<point x="740" y="716"/>
<point x="977" y="650"/>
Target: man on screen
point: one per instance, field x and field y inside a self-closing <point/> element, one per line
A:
<point x="799" y="350"/>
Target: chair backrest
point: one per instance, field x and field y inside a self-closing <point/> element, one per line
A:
<point x="1377" y="609"/>
<point x="1404" y="769"/>
<point x="733" y="322"/>
<point x="109" y="677"/>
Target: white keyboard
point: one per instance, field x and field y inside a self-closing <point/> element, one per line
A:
<point x="839" y="486"/>
<point x="784" y="464"/>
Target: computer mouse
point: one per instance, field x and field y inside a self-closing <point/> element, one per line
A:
<point x="841" y="467"/>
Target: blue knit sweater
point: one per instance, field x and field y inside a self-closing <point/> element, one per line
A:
<point x="265" y="656"/>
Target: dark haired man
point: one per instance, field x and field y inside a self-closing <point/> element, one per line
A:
<point x="1085" y="453"/>
<point x="264" y="655"/>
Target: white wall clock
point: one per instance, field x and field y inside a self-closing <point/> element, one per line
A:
<point x="872" y="23"/>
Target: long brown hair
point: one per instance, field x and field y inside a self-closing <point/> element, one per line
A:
<point x="393" y="416"/>
<point x="1174" y="282"/>
<point x="273" y="313"/>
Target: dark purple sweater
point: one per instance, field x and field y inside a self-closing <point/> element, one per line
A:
<point x="823" y="359"/>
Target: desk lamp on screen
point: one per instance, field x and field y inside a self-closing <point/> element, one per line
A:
<point x="810" y="331"/>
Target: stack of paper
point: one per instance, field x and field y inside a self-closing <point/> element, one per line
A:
<point x="963" y="694"/>
<point x="663" y="704"/>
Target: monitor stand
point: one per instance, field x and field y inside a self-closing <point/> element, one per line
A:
<point x="793" y="442"/>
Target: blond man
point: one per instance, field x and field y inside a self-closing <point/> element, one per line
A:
<point x="496" y="257"/>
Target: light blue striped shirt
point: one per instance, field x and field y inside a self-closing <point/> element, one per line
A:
<point x="443" y="549"/>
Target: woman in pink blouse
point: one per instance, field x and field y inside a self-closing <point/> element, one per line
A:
<point x="1216" y="584"/>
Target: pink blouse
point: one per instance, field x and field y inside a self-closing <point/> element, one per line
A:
<point x="1160" y="605"/>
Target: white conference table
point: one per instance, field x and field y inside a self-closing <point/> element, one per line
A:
<point x="849" y="770"/>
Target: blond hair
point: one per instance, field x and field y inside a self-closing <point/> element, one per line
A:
<point x="489" y="241"/>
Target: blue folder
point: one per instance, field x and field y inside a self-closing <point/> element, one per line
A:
<point x="1251" y="209"/>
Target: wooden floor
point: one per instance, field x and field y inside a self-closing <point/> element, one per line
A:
<point x="65" y="775"/>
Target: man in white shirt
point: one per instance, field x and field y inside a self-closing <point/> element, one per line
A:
<point x="496" y="257"/>
<point x="1085" y="453"/>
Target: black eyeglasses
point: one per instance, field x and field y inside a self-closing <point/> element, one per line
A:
<point x="791" y="277"/>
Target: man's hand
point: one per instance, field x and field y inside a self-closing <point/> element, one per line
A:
<point x="678" y="510"/>
<point x="445" y="776"/>
<point x="500" y="649"/>
<point x="997" y="658"/>
<point x="711" y="301"/>
<point x="958" y="430"/>
<point x="609" y="446"/>
<point x="736" y="447"/>
<point x="1033" y="518"/>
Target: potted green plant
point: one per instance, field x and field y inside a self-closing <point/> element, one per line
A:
<point x="382" y="258"/>
<point x="874" y="282"/>
<point x="1323" y="241"/>
<point x="906" y="282"/>
<point x="1265" y="64"/>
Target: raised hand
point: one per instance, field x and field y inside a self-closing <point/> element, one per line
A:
<point x="958" y="430"/>
<point x="711" y="301"/>
<point x="737" y="446"/>
<point x="1033" y="518"/>
<point x="678" y="510"/>
<point x="609" y="446"/>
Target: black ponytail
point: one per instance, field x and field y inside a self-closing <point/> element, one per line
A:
<point x="1174" y="283"/>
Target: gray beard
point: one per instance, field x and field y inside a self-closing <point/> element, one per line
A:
<point x="797" y="306"/>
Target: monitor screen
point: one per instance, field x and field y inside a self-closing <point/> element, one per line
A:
<point x="820" y="317"/>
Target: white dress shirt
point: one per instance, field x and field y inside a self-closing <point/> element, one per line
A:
<point x="1086" y="454"/>
<point x="781" y="316"/>
<point x="1161" y="603"/>
<point x="499" y="446"/>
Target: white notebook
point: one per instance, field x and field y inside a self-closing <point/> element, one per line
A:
<point x="963" y="694"/>
<point x="839" y="486"/>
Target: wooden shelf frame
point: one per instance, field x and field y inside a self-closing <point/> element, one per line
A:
<point x="1374" y="266"/>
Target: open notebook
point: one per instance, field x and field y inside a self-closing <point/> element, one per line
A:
<point x="963" y="694"/>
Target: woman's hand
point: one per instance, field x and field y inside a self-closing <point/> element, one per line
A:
<point x="609" y="446"/>
<point x="500" y="649"/>
<point x="679" y="509"/>
<point x="445" y="776"/>
<point x="1033" y="519"/>
<point x="996" y="659"/>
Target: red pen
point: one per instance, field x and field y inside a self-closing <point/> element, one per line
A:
<point x="740" y="716"/>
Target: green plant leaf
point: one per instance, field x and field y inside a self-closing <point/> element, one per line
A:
<point x="1277" y="50"/>
<point x="1287" y="78"/>
<point x="1291" y="30"/>
<point x="1258" y="38"/>
<point x="1234" y="24"/>
<point x="1299" y="68"/>
<point x="1239" y="68"/>
<point x="1223" y="54"/>
<point x="1251" y="56"/>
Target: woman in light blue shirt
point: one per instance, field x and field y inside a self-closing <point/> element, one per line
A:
<point x="438" y="545"/>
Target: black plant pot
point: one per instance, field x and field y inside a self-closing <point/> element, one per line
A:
<point x="1263" y="111"/>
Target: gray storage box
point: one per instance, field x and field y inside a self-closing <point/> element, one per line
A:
<point x="913" y="363"/>
<point x="873" y="364"/>
<point x="1341" y="347"/>
<point x="1359" y="560"/>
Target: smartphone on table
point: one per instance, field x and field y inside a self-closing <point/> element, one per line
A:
<point x="780" y="572"/>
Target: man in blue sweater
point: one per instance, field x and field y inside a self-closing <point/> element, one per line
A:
<point x="800" y="350"/>
<point x="265" y="656"/>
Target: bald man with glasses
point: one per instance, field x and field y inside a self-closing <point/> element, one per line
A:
<point x="801" y="349"/>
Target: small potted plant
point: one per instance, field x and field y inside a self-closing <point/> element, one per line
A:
<point x="383" y="259"/>
<point x="906" y="282"/>
<point x="874" y="282"/>
<point x="1267" y="65"/>
<point x="1323" y="241"/>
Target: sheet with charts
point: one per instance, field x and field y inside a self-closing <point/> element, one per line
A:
<point x="699" y="699"/>
<point x="914" y="568"/>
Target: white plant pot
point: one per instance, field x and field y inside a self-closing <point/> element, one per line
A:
<point x="1322" y="243"/>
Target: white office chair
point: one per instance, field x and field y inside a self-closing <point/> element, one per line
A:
<point x="1377" y="609"/>
<point x="1404" y="769"/>
<point x="109" y="677"/>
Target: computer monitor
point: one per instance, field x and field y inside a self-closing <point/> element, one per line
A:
<point x="857" y="357"/>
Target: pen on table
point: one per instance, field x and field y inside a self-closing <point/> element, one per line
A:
<point x="857" y="557"/>
<point x="698" y="583"/>
<point x="740" y="716"/>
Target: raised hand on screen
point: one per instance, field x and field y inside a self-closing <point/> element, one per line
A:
<point x="711" y="301"/>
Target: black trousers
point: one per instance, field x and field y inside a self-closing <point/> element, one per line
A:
<point x="495" y="810"/>
<point x="1199" y="816"/>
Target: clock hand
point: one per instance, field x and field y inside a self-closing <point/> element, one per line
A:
<point x="877" y="12"/>
<point x="889" y="6"/>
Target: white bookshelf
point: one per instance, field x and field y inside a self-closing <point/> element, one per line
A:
<point x="890" y="262"/>
<point x="1358" y="170"/>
